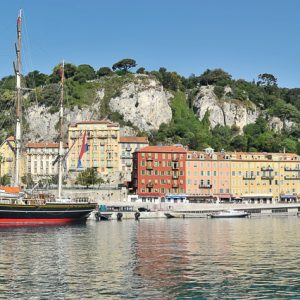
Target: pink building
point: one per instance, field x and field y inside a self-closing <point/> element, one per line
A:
<point x="208" y="175"/>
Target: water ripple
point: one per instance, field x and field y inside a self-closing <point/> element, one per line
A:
<point x="153" y="259"/>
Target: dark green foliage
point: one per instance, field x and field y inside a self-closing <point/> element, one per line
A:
<point x="169" y="80"/>
<point x="27" y="181"/>
<point x="5" y="180"/>
<point x="8" y="82"/>
<point x="124" y="64"/>
<point x="69" y="71"/>
<point x="219" y="91"/>
<point x="89" y="177"/>
<point x="140" y="70"/>
<point x="35" y="78"/>
<point x="104" y="71"/>
<point x="184" y="128"/>
<point x="84" y="73"/>
<point x="216" y="77"/>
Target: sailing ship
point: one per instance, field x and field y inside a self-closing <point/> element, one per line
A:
<point x="17" y="207"/>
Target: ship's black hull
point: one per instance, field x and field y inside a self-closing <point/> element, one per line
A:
<point x="45" y="214"/>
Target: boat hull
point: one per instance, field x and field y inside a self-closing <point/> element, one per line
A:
<point x="45" y="214"/>
<point x="229" y="216"/>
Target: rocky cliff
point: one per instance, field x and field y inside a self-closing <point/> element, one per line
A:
<point x="224" y="112"/>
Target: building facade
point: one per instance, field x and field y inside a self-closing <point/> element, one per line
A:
<point x="103" y="146"/>
<point x="208" y="175"/>
<point x="41" y="158"/>
<point x="127" y="146"/>
<point x="159" y="170"/>
<point x="217" y="176"/>
<point x="7" y="159"/>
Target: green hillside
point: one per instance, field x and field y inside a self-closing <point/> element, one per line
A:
<point x="83" y="82"/>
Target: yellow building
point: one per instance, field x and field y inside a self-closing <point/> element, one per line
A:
<point x="7" y="159"/>
<point x="103" y="146"/>
<point x="265" y="177"/>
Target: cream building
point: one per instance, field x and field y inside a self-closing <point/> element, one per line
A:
<point x="7" y="159"/>
<point x="40" y="158"/>
<point x="128" y="145"/>
<point x="103" y="146"/>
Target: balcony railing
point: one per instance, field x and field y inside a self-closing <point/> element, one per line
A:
<point x="267" y="177"/>
<point x="205" y="186"/>
<point x="269" y="168"/>
<point x="247" y="177"/>
<point x="291" y="169"/>
<point x="291" y="178"/>
<point x="149" y="158"/>
<point x="175" y="167"/>
<point x="149" y="185"/>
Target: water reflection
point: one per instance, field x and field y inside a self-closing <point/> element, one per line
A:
<point x="153" y="259"/>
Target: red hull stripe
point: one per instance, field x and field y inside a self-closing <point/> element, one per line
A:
<point x="37" y="221"/>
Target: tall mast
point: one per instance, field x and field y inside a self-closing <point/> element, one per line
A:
<point x="61" y="118"/>
<point x="18" y="100"/>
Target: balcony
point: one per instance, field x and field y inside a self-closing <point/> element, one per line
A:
<point x="175" y="167"/>
<point x="128" y="148"/>
<point x="246" y="177"/>
<point x="149" y="185"/>
<point x="267" y="177"/>
<point x="291" y="178"/>
<point x="175" y="159"/>
<point x="128" y="164"/>
<point x="205" y="186"/>
<point x="149" y="158"/>
<point x="175" y="176"/>
<point x="291" y="169"/>
<point x="175" y="185"/>
<point x="103" y="136"/>
<point x="149" y="167"/>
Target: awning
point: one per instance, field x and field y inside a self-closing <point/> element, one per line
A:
<point x="288" y="196"/>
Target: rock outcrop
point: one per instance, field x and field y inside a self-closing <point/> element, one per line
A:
<point x="144" y="103"/>
<point x="224" y="112"/>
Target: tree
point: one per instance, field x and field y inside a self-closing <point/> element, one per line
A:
<point x="140" y="70"/>
<point x="84" y="73"/>
<point x="27" y="180"/>
<point x="216" y="76"/>
<point x="69" y="71"/>
<point x="35" y="78"/>
<point x="104" y="71"/>
<point x="5" y="180"/>
<point x="124" y="64"/>
<point x="89" y="177"/>
<point x="266" y="79"/>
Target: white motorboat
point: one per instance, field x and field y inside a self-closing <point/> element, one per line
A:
<point x="229" y="214"/>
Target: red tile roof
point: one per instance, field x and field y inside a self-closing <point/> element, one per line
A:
<point x="134" y="139"/>
<point x="161" y="149"/>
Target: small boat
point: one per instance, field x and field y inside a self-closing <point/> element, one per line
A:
<point x="185" y="214"/>
<point x="229" y="214"/>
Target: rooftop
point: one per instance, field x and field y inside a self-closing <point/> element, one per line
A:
<point x="164" y="149"/>
<point x="134" y="139"/>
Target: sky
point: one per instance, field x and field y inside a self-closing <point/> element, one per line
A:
<point x="243" y="37"/>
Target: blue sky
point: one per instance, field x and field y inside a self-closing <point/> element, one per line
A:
<point x="243" y="37"/>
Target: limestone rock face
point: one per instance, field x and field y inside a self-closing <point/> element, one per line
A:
<point x="43" y="124"/>
<point x="144" y="103"/>
<point x="224" y="112"/>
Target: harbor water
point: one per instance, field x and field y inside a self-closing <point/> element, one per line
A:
<point x="252" y="258"/>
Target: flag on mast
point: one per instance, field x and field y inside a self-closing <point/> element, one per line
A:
<point x="84" y="148"/>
